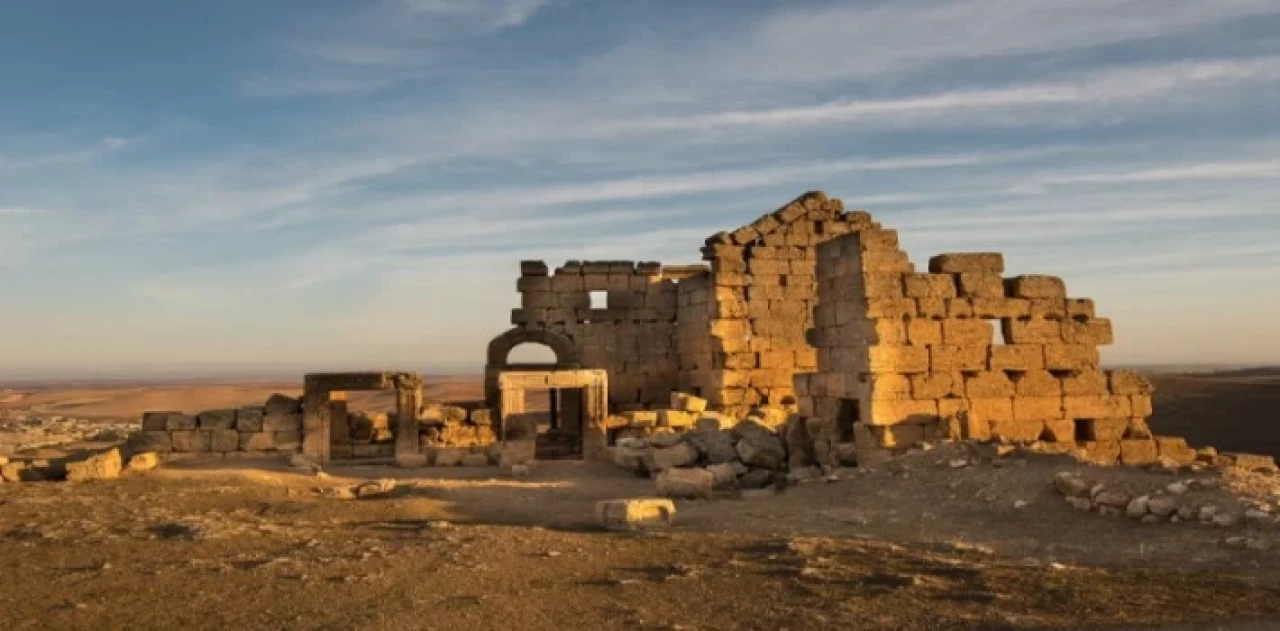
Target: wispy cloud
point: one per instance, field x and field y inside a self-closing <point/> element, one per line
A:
<point x="13" y="163"/>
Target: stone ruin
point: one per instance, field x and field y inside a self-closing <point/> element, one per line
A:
<point x="808" y="340"/>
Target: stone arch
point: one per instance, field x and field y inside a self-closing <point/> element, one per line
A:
<point x="566" y="352"/>
<point x="559" y="343"/>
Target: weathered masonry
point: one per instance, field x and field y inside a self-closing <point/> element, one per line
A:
<point x="732" y="330"/>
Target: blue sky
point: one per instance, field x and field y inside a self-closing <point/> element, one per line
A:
<point x="232" y="186"/>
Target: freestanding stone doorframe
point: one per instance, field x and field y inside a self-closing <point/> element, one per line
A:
<point x="567" y="357"/>
<point x="318" y="393"/>
<point x="594" y="385"/>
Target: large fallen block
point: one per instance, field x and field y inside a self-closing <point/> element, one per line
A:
<point x="104" y="466"/>
<point x="635" y="513"/>
<point x="686" y="482"/>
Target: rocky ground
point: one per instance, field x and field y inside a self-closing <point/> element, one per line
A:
<point x="922" y="542"/>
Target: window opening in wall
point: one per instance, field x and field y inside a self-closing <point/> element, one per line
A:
<point x="818" y="227"/>
<point x="599" y="299"/>
<point x="848" y="414"/>
<point x="1082" y="430"/>
<point x="997" y="336"/>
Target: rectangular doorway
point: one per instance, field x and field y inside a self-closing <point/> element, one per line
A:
<point x="557" y="415"/>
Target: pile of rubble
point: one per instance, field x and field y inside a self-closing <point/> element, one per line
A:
<point x="28" y="431"/>
<point x="103" y="465"/>
<point x="690" y="451"/>
<point x="1177" y="502"/>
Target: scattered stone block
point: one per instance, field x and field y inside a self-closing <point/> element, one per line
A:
<point x="686" y="483"/>
<point x="687" y="402"/>
<point x="1138" y="452"/>
<point x="141" y="462"/>
<point x="635" y="514"/>
<point x="104" y="466"/>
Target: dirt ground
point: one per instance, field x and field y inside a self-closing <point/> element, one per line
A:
<point x="933" y="540"/>
<point x="916" y="544"/>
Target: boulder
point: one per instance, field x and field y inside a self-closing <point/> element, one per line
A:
<point x="679" y="455"/>
<point x="716" y="447"/>
<point x="756" y="479"/>
<point x="725" y="474"/>
<point x="1137" y="507"/>
<point x="663" y="440"/>
<point x="762" y="450"/>
<point x="1112" y="498"/>
<point x="798" y="443"/>
<point x="635" y="514"/>
<point x="686" y="482"/>
<point x="1071" y="485"/>
<point x="629" y="458"/>
<point x="1162" y="506"/>
<point x="104" y="466"/>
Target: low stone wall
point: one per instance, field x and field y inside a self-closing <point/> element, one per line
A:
<point x="275" y="427"/>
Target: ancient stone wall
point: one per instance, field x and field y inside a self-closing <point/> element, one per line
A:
<point x="761" y="296"/>
<point x="275" y="427"/>
<point x="963" y="352"/>
<point x="631" y="330"/>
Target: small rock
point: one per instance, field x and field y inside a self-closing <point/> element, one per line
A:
<point x="1151" y="519"/>
<point x="1186" y="513"/>
<point x="521" y="470"/>
<point x="1162" y="506"/>
<point x="1177" y="488"/>
<point x="1257" y="517"/>
<point x="1109" y="511"/>
<point x="374" y="488"/>
<point x="958" y="463"/>
<point x="1113" y="498"/>
<point x="1207" y="512"/>
<point x="801" y="474"/>
<point x="1137" y="507"/>
<point x="1234" y="542"/>
<point x="1224" y="520"/>
<point x="635" y="513"/>
<point x="1080" y="503"/>
<point x="1019" y="504"/>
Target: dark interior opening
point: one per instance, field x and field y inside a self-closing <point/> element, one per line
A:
<point x="848" y="414"/>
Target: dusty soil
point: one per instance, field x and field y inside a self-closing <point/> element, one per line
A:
<point x="915" y="544"/>
<point x="919" y="543"/>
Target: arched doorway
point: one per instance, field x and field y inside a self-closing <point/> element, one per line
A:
<point x="551" y="415"/>
<point x="498" y="359"/>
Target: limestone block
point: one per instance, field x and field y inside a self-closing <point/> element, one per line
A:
<point x="1100" y="453"/>
<point x="959" y="308"/>
<point x="996" y="308"/>
<point x="980" y="285"/>
<point x="1090" y="382"/>
<point x="1090" y="332"/>
<point x="1129" y="382"/>
<point x="686" y="483"/>
<point x="1017" y="357"/>
<point x="288" y="440"/>
<point x="156" y="421"/>
<point x="968" y="333"/>
<point x="922" y="332"/>
<point x="533" y="268"/>
<point x="891" y="308"/>
<point x="1032" y="331"/>
<point x="929" y="285"/>
<point x="955" y="263"/>
<point x="1071" y="357"/>
<point x="1037" y="286"/>
<point x="879" y="284"/>
<point x="1097" y="406"/>
<point x="892" y="412"/>
<point x="180" y="422"/>
<point x="217" y="419"/>
<point x="936" y="385"/>
<point x="1253" y="462"/>
<point x="157" y="441"/>
<point x="676" y="419"/>
<point x="1057" y="430"/>
<point x="687" y="402"/>
<point x="1016" y="431"/>
<point x="563" y="283"/>
<point x="635" y="514"/>
<point x="190" y="441"/>
<point x="887" y="261"/>
<point x="988" y="385"/>
<point x="223" y="440"/>
<point x="533" y="284"/>
<point x="1037" y="408"/>
<point x="1137" y="429"/>
<point x="931" y="308"/>
<point x="1037" y="383"/>
<point x="140" y="462"/>
<point x="249" y="419"/>
<point x="950" y="358"/>
<point x="1141" y="405"/>
<point x="1047" y="308"/>
<point x="257" y="441"/>
<point x="1176" y="449"/>
<point x="1080" y="308"/>
<point x="994" y="409"/>
<point x="1138" y="452"/>
<point x="103" y="466"/>
<point x="1104" y="429"/>
<point x="889" y="386"/>
<point x="898" y="359"/>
